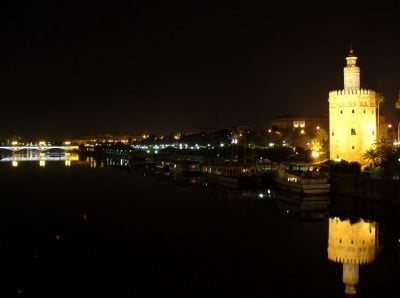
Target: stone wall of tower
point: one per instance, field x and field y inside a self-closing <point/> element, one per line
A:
<point x="352" y="123"/>
<point x="351" y="78"/>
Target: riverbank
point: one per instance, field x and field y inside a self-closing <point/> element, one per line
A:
<point x="361" y="186"/>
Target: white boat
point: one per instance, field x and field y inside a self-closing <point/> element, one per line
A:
<point x="234" y="175"/>
<point x="304" y="178"/>
<point x="185" y="168"/>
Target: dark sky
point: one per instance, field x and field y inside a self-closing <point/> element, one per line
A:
<point x="72" y="69"/>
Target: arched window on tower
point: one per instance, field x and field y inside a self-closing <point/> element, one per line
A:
<point x="353" y="132"/>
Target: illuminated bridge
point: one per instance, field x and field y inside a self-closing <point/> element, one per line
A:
<point x="38" y="148"/>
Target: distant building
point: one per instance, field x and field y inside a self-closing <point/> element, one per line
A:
<point x="299" y="122"/>
<point x="194" y="131"/>
<point x="353" y="114"/>
<point x="295" y="130"/>
<point x="125" y="139"/>
<point x="387" y="130"/>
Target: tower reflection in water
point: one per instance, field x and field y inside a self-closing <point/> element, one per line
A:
<point x="352" y="244"/>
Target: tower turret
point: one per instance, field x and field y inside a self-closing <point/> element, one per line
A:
<point x="351" y="72"/>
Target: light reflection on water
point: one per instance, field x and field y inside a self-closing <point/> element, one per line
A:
<point x="41" y="157"/>
<point x="352" y="244"/>
<point x="349" y="243"/>
<point x="69" y="159"/>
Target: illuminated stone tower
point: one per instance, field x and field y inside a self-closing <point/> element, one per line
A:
<point x="351" y="244"/>
<point x="352" y="116"/>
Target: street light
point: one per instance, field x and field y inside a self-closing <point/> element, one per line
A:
<point x="390" y="126"/>
<point x="398" y="132"/>
<point x="397" y="105"/>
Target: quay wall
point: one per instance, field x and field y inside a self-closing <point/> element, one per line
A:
<point x="383" y="190"/>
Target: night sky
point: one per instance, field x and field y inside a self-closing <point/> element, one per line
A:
<point x="72" y="69"/>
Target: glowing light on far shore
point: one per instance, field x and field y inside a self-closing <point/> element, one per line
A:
<point x="14" y="163"/>
<point x="42" y="163"/>
<point x="315" y="154"/>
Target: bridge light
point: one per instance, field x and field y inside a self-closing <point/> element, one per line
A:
<point x="42" y="143"/>
<point x="42" y="163"/>
<point x="14" y="163"/>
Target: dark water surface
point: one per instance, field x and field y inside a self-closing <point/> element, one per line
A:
<point x="112" y="232"/>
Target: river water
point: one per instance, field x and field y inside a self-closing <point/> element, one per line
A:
<point x="100" y="229"/>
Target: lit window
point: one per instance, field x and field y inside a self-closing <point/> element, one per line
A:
<point x="353" y="132"/>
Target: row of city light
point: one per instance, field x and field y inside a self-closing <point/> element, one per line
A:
<point x="40" y="143"/>
<point x="182" y="146"/>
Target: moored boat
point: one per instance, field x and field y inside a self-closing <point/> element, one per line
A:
<point x="230" y="174"/>
<point x="185" y="168"/>
<point x="304" y="178"/>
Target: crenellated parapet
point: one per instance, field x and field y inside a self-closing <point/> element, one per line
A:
<point x="356" y="261"/>
<point x="352" y="92"/>
<point x="352" y="98"/>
